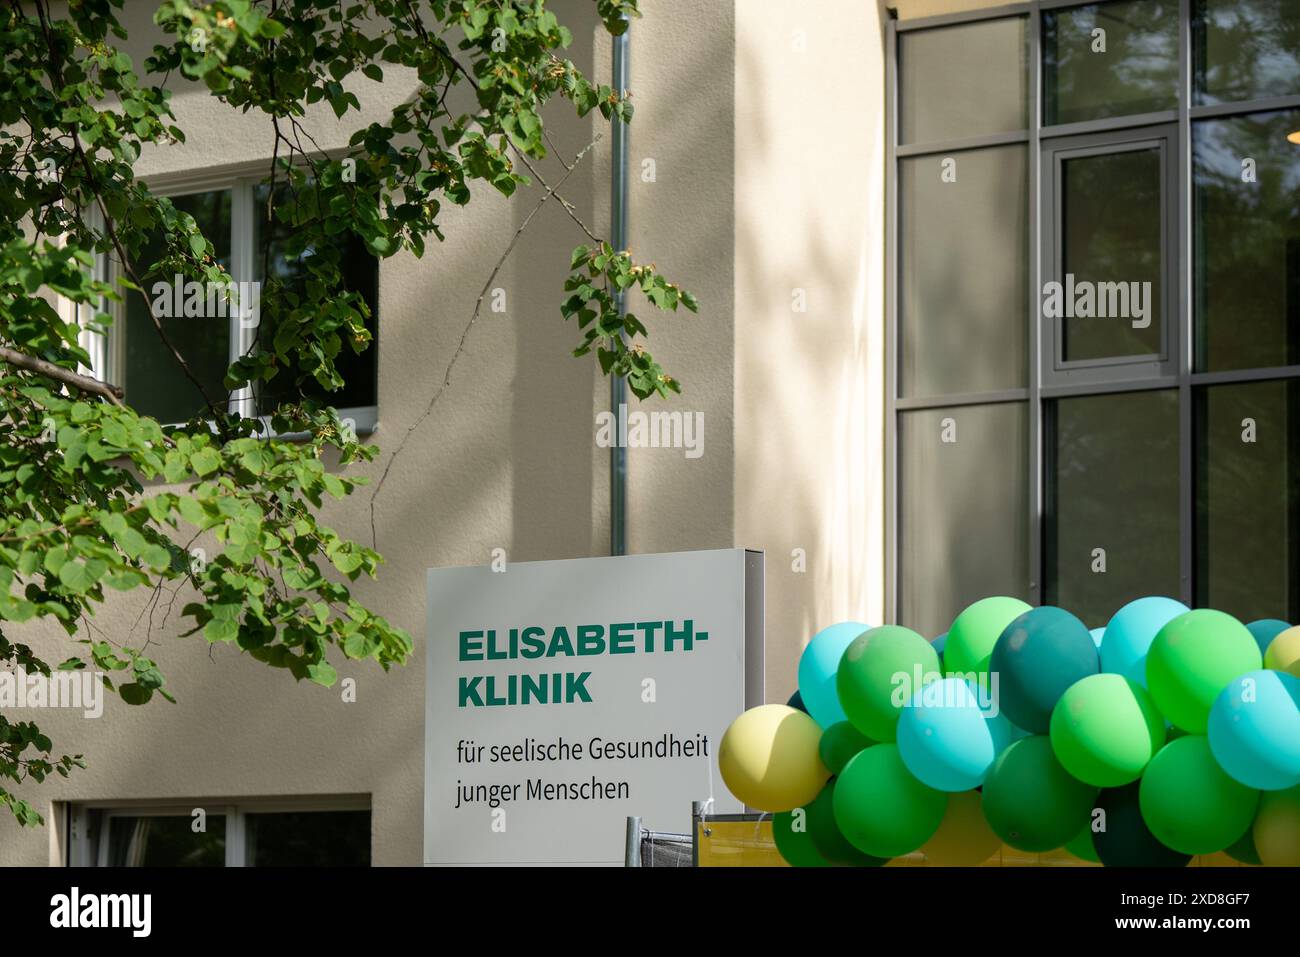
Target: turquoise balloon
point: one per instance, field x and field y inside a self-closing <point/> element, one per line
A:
<point x="947" y="740"/>
<point x="939" y="642"/>
<point x="1254" y="730"/>
<point x="817" y="667"/>
<point x="1265" y="630"/>
<point x="1096" y="636"/>
<point x="1130" y="633"/>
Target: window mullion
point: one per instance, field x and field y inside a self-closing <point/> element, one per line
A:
<point x="242" y="251"/>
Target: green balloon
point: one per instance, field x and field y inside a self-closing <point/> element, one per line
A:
<point x="1189" y="802"/>
<point x="881" y="809"/>
<point x="974" y="633"/>
<point x="1193" y="658"/>
<point x="826" y="836"/>
<point x="867" y="682"/>
<point x="1105" y="730"/>
<point x="840" y="742"/>
<point x="793" y="839"/>
<point x="1030" y="801"/>
<point x="1081" y="845"/>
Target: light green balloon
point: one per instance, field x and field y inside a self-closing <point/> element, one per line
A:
<point x="1192" y="659"/>
<point x="868" y="681"/>
<point x="881" y="809"/>
<point x="974" y="633"/>
<point x="1189" y="803"/>
<point x="1105" y="730"/>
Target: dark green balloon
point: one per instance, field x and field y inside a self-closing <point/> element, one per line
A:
<point x="840" y="742"/>
<point x="1030" y="801"/>
<point x="830" y="843"/>
<point x="1037" y="658"/>
<point x="795" y="845"/>
<point x="1126" y="841"/>
<point x="1244" y="850"/>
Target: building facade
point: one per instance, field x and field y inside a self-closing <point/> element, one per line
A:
<point x="870" y="202"/>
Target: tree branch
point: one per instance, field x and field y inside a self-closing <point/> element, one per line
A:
<point x="82" y="383"/>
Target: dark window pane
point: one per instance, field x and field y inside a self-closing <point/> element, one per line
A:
<point x="360" y="271"/>
<point x="308" y="839"/>
<point x="1111" y="239"/>
<point x="1247" y="241"/>
<point x="963" y="510"/>
<point x="1245" y="49"/>
<point x="968" y="80"/>
<point x="166" y="841"/>
<point x="1112" y="484"/>
<point x="1136" y="72"/>
<point x="154" y="382"/>
<point x="1248" y="499"/>
<point x="963" y="254"/>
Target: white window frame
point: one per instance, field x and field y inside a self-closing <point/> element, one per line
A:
<point x="107" y="352"/>
<point x="81" y="852"/>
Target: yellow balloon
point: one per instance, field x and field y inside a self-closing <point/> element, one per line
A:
<point x="1284" y="652"/>
<point x="770" y="759"/>
<point x="1277" y="828"/>
<point x="964" y="838"/>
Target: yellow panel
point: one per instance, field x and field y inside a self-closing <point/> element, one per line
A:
<point x="737" y="844"/>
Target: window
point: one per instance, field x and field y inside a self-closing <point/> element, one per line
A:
<point x="280" y="833"/>
<point x="1093" y="349"/>
<point x="235" y="219"/>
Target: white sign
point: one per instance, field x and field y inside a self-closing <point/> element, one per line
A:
<point x="565" y="696"/>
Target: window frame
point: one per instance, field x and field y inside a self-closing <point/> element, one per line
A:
<point x="81" y="850"/>
<point x="1045" y="382"/>
<point x="241" y="179"/>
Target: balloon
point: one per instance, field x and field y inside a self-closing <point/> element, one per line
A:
<point x="1192" y="660"/>
<point x="1254" y="730"/>
<point x="974" y="633"/>
<point x="1038" y="656"/>
<point x="1029" y="799"/>
<point x="1105" y="729"/>
<point x="1097" y="634"/>
<point x="796" y="701"/>
<point x="1277" y="828"/>
<point x="947" y="740"/>
<point x="817" y="667"/>
<point x="769" y="760"/>
<point x="1081" y="846"/>
<point x="880" y="672"/>
<point x="1189" y="802"/>
<point x="939" y="644"/>
<point x="794" y="842"/>
<point x="1244" y="850"/>
<point x="881" y="808"/>
<point x="1265" y="630"/>
<point x="1130" y="632"/>
<point x="1284" y="652"/>
<point x="1123" y="838"/>
<point x="964" y="838"/>
<point x="840" y="742"/>
<point x="827" y="837"/>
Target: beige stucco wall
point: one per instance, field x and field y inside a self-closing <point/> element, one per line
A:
<point x="768" y="177"/>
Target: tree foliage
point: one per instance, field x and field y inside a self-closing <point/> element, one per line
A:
<point x="97" y="498"/>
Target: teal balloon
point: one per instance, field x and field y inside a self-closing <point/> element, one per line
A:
<point x="940" y="642"/>
<point x="793" y="841"/>
<point x="1130" y="633"/>
<point x="817" y="667"/>
<point x="1036" y="659"/>
<point x="1126" y="841"/>
<point x="1254" y="730"/>
<point x="1244" y="850"/>
<point x="947" y="740"/>
<point x="796" y="701"/>
<point x="1097" y="634"/>
<point x="827" y="838"/>
<point x="1265" y="630"/>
